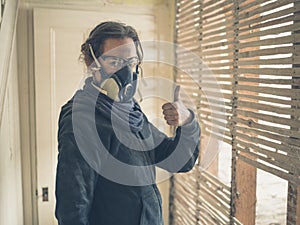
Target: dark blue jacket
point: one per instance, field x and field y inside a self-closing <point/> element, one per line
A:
<point x="85" y="195"/>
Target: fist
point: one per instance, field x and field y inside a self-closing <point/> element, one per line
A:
<point x="175" y="113"/>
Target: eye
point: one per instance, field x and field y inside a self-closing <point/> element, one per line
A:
<point x="114" y="62"/>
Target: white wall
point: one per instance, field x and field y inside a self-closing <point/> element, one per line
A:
<point x="11" y="209"/>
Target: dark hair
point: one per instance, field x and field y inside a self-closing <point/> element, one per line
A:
<point x="105" y="30"/>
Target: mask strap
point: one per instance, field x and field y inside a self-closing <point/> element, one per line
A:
<point x="139" y="68"/>
<point x="94" y="57"/>
<point x="99" y="67"/>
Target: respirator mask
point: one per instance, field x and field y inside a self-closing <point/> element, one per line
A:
<point x="121" y="85"/>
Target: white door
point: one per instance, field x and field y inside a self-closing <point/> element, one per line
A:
<point x="58" y="35"/>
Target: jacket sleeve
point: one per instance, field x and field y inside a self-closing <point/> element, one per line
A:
<point x="75" y="182"/>
<point x="178" y="153"/>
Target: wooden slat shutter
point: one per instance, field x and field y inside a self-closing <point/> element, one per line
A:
<point x="251" y="48"/>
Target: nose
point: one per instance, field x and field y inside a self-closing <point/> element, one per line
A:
<point x="125" y="70"/>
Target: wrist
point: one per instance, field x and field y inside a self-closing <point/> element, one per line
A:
<point x="188" y="118"/>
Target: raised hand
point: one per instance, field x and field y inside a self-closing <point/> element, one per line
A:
<point x="175" y="113"/>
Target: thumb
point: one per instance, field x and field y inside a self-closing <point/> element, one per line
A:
<point x="176" y="93"/>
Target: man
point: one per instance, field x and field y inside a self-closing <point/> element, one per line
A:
<point x="108" y="149"/>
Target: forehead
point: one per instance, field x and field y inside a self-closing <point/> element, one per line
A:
<point x="119" y="47"/>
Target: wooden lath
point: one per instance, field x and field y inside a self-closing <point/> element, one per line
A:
<point x="252" y="50"/>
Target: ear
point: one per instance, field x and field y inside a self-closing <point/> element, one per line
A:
<point x="139" y="70"/>
<point x="88" y="61"/>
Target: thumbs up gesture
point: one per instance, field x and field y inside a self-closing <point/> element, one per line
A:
<point x="175" y="113"/>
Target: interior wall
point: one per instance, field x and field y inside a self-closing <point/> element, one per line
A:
<point x="11" y="210"/>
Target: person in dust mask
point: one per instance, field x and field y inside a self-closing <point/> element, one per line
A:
<point x="108" y="150"/>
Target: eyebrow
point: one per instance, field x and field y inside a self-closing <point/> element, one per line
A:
<point x="114" y="56"/>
